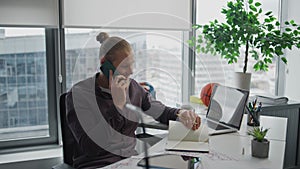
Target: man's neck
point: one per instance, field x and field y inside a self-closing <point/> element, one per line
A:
<point x="102" y="81"/>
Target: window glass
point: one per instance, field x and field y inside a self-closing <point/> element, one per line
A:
<point x="23" y="84"/>
<point x="158" y="58"/>
<point x="214" y="69"/>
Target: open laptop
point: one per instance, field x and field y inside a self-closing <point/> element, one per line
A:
<point x="226" y="109"/>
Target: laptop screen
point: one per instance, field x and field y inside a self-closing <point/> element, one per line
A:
<point x="227" y="106"/>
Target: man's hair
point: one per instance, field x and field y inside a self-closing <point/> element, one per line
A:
<point x="111" y="45"/>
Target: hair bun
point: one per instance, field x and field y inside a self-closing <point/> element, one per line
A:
<point x="101" y="37"/>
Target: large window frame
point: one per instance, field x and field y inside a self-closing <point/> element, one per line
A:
<point x="56" y="77"/>
<point x="179" y="37"/>
<point x="279" y="79"/>
<point x="52" y="85"/>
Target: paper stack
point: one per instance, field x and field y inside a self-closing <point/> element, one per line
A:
<point x="181" y="138"/>
<point x="274" y="100"/>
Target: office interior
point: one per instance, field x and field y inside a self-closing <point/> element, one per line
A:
<point x="46" y="46"/>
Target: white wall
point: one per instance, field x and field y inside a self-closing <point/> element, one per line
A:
<point x="292" y="86"/>
<point x="157" y="14"/>
<point x="29" y="12"/>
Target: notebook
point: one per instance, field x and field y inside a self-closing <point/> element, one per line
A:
<point x="181" y="138"/>
<point x="226" y="109"/>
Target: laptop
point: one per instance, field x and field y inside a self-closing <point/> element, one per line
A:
<point x="226" y="109"/>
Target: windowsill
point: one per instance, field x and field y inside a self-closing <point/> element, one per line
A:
<point x="41" y="153"/>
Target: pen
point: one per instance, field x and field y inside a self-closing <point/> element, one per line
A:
<point x="250" y="106"/>
<point x="253" y="116"/>
<point x="259" y="107"/>
<point x="254" y="103"/>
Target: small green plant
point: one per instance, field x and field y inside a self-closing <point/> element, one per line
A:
<point x="250" y="30"/>
<point x="258" y="133"/>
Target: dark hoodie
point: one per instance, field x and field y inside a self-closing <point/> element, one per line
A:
<point x="105" y="134"/>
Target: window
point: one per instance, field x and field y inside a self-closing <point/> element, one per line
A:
<point x="158" y="58"/>
<point x="23" y="86"/>
<point x="214" y="69"/>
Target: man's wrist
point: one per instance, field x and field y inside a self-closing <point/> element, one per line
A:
<point x="180" y="111"/>
<point x="178" y="114"/>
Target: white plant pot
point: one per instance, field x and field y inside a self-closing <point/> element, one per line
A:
<point x="241" y="80"/>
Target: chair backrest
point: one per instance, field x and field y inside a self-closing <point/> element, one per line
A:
<point x="67" y="137"/>
<point x="149" y="88"/>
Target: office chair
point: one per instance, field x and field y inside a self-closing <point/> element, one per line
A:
<point x="67" y="137"/>
<point x="149" y="88"/>
<point x="69" y="140"/>
<point x="148" y="138"/>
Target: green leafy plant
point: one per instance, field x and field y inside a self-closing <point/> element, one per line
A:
<point x="262" y="39"/>
<point x="258" y="133"/>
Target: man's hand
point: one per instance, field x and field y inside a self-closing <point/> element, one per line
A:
<point x="189" y="118"/>
<point x="118" y="86"/>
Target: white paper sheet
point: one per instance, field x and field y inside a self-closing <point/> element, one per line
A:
<point x="182" y="138"/>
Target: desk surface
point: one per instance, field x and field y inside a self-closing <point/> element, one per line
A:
<point x="277" y="131"/>
<point x="226" y="150"/>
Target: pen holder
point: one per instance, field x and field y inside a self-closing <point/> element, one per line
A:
<point x="253" y="118"/>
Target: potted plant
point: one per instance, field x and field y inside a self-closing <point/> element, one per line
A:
<point x="259" y="145"/>
<point x="247" y="28"/>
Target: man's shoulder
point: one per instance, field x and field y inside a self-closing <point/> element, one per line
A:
<point x="134" y="83"/>
<point x="86" y="85"/>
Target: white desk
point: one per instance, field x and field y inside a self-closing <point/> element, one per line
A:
<point x="277" y="128"/>
<point x="226" y="149"/>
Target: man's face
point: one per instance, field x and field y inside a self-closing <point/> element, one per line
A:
<point x="125" y="62"/>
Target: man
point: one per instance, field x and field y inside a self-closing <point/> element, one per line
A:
<point x="96" y="114"/>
